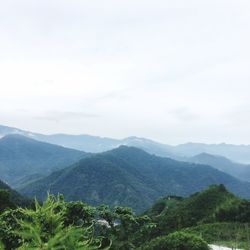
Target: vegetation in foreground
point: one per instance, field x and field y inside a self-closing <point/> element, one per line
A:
<point x="211" y="216"/>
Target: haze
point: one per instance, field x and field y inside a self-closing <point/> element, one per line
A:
<point x="173" y="71"/>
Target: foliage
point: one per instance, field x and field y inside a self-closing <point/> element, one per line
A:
<point x="172" y="223"/>
<point x="45" y="227"/>
<point x="126" y="229"/>
<point x="79" y="214"/>
<point x="8" y="228"/>
<point x="230" y="234"/>
<point x="235" y="211"/>
<point x="177" y="241"/>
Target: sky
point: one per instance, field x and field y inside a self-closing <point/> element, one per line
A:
<point x="173" y="71"/>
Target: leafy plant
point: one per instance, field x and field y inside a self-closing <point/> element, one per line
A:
<point x="43" y="228"/>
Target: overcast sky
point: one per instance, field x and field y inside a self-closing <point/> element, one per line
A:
<point x="173" y="71"/>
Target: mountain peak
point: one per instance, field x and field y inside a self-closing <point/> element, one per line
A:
<point x="123" y="149"/>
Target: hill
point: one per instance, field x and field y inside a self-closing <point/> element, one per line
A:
<point x="240" y="171"/>
<point x="214" y="214"/>
<point x="131" y="177"/>
<point x="201" y="207"/>
<point x="21" y="156"/>
<point x="212" y="205"/>
<point x="15" y="197"/>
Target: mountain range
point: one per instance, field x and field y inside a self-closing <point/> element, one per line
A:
<point x="131" y="177"/>
<point x="133" y="172"/>
<point x="95" y="144"/>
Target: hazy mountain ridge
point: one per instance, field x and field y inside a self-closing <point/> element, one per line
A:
<point x="96" y="144"/>
<point x="237" y="153"/>
<point x="237" y="170"/>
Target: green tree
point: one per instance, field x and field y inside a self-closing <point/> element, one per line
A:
<point x="79" y="214"/>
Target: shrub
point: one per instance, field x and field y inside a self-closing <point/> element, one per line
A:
<point x="177" y="241"/>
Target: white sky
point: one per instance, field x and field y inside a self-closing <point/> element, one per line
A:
<point x="174" y="71"/>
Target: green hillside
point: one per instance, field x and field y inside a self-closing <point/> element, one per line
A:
<point x="214" y="214"/>
<point x="9" y="197"/>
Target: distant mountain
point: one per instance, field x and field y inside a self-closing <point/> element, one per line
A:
<point x="96" y="144"/>
<point x="87" y="143"/>
<point x="131" y="177"/>
<point x="237" y="170"/>
<point x="237" y="153"/>
<point x="21" y="156"/>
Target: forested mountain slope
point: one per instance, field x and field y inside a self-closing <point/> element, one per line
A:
<point x="131" y="177"/>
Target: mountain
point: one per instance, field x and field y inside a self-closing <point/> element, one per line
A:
<point x="131" y="177"/>
<point x="240" y="171"/>
<point x="21" y="157"/>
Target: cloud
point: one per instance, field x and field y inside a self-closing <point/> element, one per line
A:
<point x="184" y="114"/>
<point x="57" y="116"/>
<point x="169" y="70"/>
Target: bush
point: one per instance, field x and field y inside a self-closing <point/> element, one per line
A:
<point x="177" y="241"/>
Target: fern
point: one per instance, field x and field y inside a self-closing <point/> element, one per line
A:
<point x="43" y="229"/>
